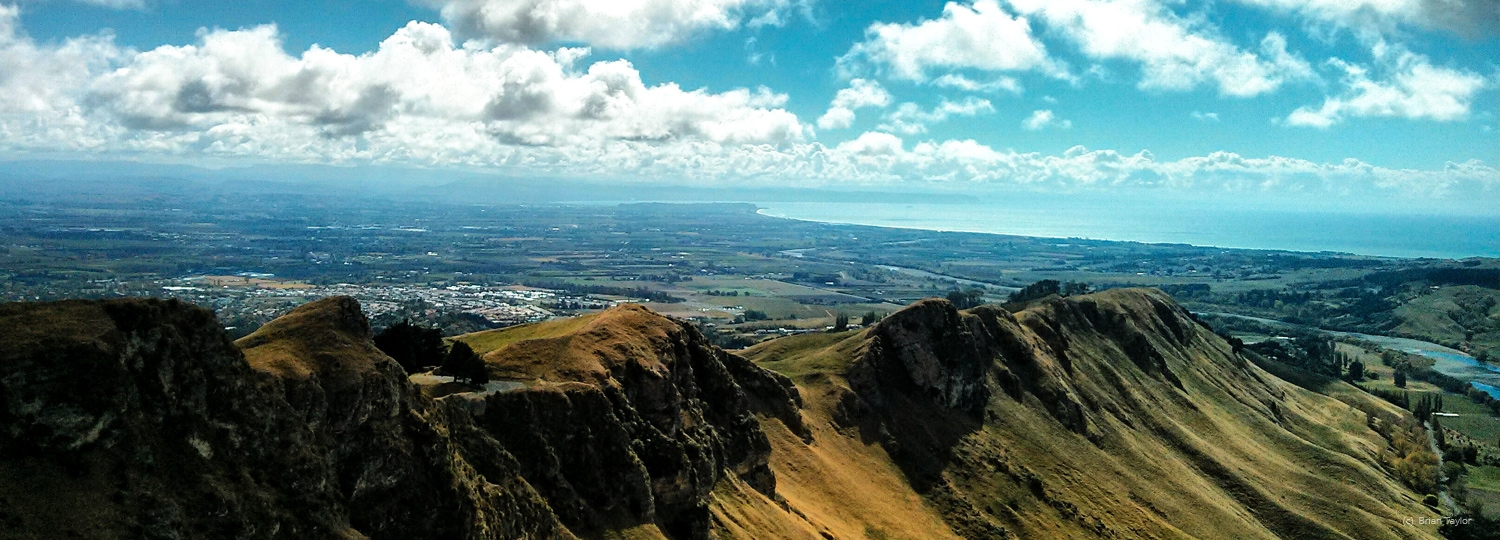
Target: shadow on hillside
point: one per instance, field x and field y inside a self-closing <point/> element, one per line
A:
<point x="1306" y="379"/>
<point x="919" y="435"/>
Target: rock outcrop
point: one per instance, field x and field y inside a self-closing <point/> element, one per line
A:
<point x="635" y="418"/>
<point x="140" y="419"/>
<point x="1105" y="415"/>
<point x="1113" y="414"/>
<point x="393" y="461"/>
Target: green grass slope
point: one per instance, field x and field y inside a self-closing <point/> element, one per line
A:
<point x="1106" y="415"/>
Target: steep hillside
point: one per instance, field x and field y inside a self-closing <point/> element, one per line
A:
<point x="140" y="419"/>
<point x="1464" y="317"/>
<point x="1107" y="415"/>
<point x="631" y="419"/>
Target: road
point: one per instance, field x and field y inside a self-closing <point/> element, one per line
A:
<point x="1442" y="492"/>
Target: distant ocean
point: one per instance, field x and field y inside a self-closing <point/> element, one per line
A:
<point x="1391" y="235"/>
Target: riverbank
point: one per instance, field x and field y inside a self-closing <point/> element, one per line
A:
<point x="1446" y="360"/>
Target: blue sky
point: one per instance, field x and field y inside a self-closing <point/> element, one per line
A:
<point x="1379" y="100"/>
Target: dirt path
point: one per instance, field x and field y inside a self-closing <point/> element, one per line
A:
<point x="1442" y="492"/>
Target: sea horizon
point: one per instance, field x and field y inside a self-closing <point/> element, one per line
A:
<point x="1373" y="234"/>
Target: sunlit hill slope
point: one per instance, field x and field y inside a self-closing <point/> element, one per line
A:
<point x="1107" y="415"/>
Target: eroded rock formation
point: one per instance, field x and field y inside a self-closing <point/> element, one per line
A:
<point x="140" y="419"/>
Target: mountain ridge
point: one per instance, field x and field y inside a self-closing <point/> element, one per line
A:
<point x="1107" y="415"/>
<point x="1181" y="436"/>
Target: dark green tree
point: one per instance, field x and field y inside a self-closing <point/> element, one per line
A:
<point x="1040" y="289"/>
<point x="1072" y="288"/>
<point x="1469" y="526"/>
<point x="966" y="299"/>
<point x="840" y="322"/>
<point x="868" y="319"/>
<point x="1400" y="378"/>
<point x="464" y="365"/>
<point x="1356" y="371"/>
<point x="415" y="347"/>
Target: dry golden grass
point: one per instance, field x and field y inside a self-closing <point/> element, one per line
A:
<point x="1227" y="451"/>
<point x="638" y="532"/>
<point x="328" y="335"/>
<point x="1234" y="453"/>
<point x="805" y="355"/>
<point x="586" y="349"/>
<point x="843" y="486"/>
<point x="738" y="511"/>
<point x="488" y="340"/>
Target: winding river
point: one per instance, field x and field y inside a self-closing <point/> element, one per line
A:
<point x="1446" y="360"/>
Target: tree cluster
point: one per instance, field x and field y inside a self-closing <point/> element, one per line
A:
<point x="1411" y="460"/>
<point x="416" y="348"/>
<point x="1049" y="287"/>
<point x="1426" y="405"/>
<point x="464" y="365"/>
<point x="966" y="299"/>
<point x="1308" y="352"/>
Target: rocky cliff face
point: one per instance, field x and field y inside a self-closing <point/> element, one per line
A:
<point x="390" y="453"/>
<point x="635" y="418"/>
<point x="1107" y="415"/>
<point x="140" y="419"/>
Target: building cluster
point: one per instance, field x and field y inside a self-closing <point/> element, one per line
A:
<point x="264" y="298"/>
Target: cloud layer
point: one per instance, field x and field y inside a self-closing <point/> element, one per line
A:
<point x="423" y="98"/>
<point x="1374" y="17"/>
<point x="239" y="92"/>
<point x="614" y="24"/>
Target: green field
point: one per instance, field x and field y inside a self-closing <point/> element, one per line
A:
<point x="1472" y="420"/>
<point x="489" y="340"/>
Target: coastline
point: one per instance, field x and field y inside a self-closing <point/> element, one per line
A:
<point x="1148" y="232"/>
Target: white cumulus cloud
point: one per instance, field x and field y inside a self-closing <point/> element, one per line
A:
<point x="1043" y="118"/>
<point x="1174" y="53"/>
<point x="1373" y="17"/>
<point x="861" y="93"/>
<point x="239" y="93"/>
<point x="421" y="99"/>
<point x="910" y="118"/>
<point x="614" y="24"/>
<point x="959" y="82"/>
<point x="1412" y="88"/>
<point x="980" y="36"/>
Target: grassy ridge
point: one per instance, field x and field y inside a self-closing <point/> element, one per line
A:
<point x="1232" y="452"/>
